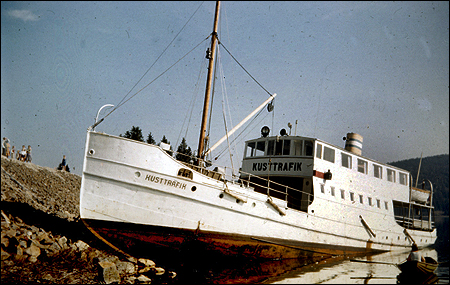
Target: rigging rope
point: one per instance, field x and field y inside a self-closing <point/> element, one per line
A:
<point x="122" y="101"/>
<point x="248" y="125"/>
<point x="224" y="102"/>
<point x="220" y="43"/>
<point x="191" y="104"/>
<point x="270" y="94"/>
<point x="170" y="67"/>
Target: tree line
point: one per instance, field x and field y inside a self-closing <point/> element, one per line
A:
<point x="183" y="153"/>
<point x="436" y="169"/>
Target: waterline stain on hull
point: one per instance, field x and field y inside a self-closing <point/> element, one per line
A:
<point x="138" y="239"/>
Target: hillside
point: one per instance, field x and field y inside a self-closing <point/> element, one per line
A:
<point x="435" y="169"/>
<point x="44" y="241"/>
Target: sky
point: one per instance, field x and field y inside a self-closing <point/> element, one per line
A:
<point x="379" y="69"/>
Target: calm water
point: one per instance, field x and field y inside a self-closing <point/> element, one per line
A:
<point x="349" y="272"/>
<point x="200" y="270"/>
<point x="333" y="271"/>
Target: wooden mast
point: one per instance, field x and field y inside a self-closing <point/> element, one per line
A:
<point x="201" y="143"/>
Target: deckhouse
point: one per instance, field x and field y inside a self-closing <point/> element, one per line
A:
<point x="303" y="169"/>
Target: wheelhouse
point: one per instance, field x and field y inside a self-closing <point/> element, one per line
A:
<point x="288" y="162"/>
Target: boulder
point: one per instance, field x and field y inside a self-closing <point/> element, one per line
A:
<point x="81" y="245"/>
<point x="145" y="269"/>
<point x="10" y="233"/>
<point x="5" y="255"/>
<point x="159" y="271"/>
<point x="5" y="241"/>
<point x="62" y="241"/>
<point x="43" y="237"/>
<point x="108" y="272"/>
<point x="147" y="262"/>
<point x="33" y="250"/>
<point x="110" y="258"/>
<point x="125" y="268"/>
<point x="19" y="254"/>
<point x="32" y="258"/>
<point x="144" y="279"/>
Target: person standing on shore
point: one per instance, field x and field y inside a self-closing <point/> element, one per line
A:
<point x="17" y="157"/>
<point x="13" y="152"/>
<point x="5" y="147"/>
<point x="63" y="163"/>
<point x="23" y="153"/>
<point x="28" y="159"/>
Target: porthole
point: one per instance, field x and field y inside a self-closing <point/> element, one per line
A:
<point x="253" y="204"/>
<point x="221" y="195"/>
<point x="91" y="151"/>
<point x="193" y="188"/>
<point x="137" y="174"/>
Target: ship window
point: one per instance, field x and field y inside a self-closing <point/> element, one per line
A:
<point x="260" y="147"/>
<point x="286" y="147"/>
<point x="361" y="200"/>
<point x="319" y="151"/>
<point x="183" y="172"/>
<point x="362" y="166"/>
<point x="250" y="148"/>
<point x="309" y="147"/>
<point x="270" y="147"/>
<point x="328" y="154"/>
<point x="297" y="145"/>
<point x="343" y="194"/>
<point x="377" y="171"/>
<point x="332" y="191"/>
<point x="346" y="160"/>
<point x="378" y="203"/>
<point x="391" y="175"/>
<point x="278" y="147"/>
<point x="322" y="188"/>
<point x="403" y="178"/>
<point x="369" y="199"/>
<point x="282" y="147"/>
<point x="255" y="148"/>
<point x="352" y="196"/>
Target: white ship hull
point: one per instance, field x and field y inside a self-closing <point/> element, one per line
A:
<point x="132" y="193"/>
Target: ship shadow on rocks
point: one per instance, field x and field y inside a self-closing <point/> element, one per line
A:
<point x="74" y="230"/>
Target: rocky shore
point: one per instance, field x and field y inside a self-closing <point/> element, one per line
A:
<point x="44" y="241"/>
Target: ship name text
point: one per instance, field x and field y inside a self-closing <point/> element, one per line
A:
<point x="277" y="166"/>
<point x="164" y="181"/>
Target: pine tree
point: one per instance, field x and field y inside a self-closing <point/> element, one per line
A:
<point x="135" y="134"/>
<point x="164" y="140"/>
<point x="150" y="139"/>
<point x="184" y="152"/>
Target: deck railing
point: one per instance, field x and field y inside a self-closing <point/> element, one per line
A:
<point x="293" y="197"/>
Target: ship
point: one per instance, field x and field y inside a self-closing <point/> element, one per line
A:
<point x="294" y="196"/>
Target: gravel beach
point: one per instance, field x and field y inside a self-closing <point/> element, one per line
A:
<point x="44" y="241"/>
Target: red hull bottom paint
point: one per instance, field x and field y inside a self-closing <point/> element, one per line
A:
<point x="136" y="238"/>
